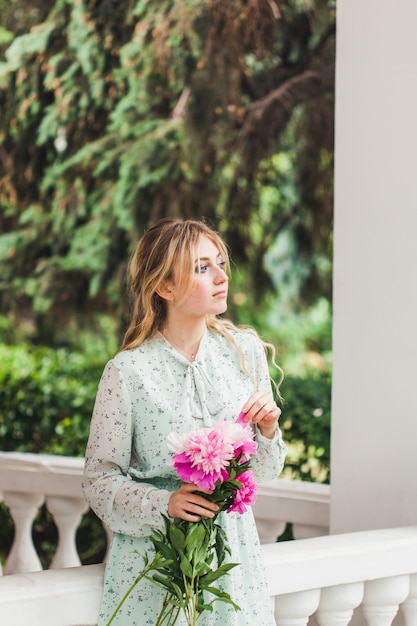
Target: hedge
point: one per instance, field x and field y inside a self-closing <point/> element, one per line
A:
<point x="46" y="399"/>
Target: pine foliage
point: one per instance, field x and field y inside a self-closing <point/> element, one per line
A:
<point x="118" y="112"/>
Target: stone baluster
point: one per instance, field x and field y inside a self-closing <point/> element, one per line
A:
<point x="269" y="530"/>
<point x="382" y="598"/>
<point x="337" y="604"/>
<point x="23" y="508"/>
<point x="67" y="514"/>
<point x="409" y="607"/>
<point x="294" y="609"/>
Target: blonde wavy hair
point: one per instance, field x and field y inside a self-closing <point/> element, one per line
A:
<point x="167" y="246"/>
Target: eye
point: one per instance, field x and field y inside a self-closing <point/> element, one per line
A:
<point x="201" y="269"/>
<point x="221" y="264"/>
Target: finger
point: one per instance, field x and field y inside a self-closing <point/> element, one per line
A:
<point x="261" y="406"/>
<point x="191" y="497"/>
<point x="202" y="502"/>
<point x="251" y="401"/>
<point x="197" y="509"/>
<point x="270" y="412"/>
<point x="191" y="511"/>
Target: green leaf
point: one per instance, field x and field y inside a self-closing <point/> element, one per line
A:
<point x="164" y="581"/>
<point x="164" y="548"/>
<point x="177" y="538"/>
<point x="186" y="567"/>
<point x="223" y="596"/>
<point x="194" y="537"/>
<point x="215" y="575"/>
<point x="203" y="568"/>
<point x="204" y="607"/>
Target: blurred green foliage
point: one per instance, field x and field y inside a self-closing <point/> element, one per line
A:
<point x="117" y="113"/>
<point x="45" y="399"/>
<point x="305" y="425"/>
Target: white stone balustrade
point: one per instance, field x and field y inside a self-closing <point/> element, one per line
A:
<point x="305" y="505"/>
<point x="26" y="482"/>
<point x="357" y="579"/>
<point x="29" y="480"/>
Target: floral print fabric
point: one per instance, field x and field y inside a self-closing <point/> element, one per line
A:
<point x="145" y="394"/>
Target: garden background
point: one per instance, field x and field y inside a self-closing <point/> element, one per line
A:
<point x="117" y="113"/>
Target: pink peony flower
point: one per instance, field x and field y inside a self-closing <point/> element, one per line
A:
<point x="202" y="457"/>
<point x="241" y="419"/>
<point x="246" y="447"/>
<point x="246" y="495"/>
<point x="240" y="435"/>
<point x="190" y="473"/>
<point x="208" y="450"/>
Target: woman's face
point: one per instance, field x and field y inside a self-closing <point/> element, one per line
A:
<point x="210" y="283"/>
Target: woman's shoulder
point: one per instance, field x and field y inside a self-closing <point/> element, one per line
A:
<point x="246" y="339"/>
<point x="136" y="357"/>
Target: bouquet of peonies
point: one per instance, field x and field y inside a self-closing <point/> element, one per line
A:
<point x="190" y="556"/>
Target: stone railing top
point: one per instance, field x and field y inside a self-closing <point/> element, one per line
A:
<point x="72" y="596"/>
<point x="295" y="489"/>
<point x="58" y="470"/>
<point x="340" y="559"/>
<point x="53" y="462"/>
<point x="67" y="596"/>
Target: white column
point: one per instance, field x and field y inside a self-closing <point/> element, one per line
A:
<point x="67" y="514"/>
<point x="374" y="408"/>
<point x="337" y="604"/>
<point x="23" y="508"/>
<point x="409" y="607"/>
<point x="294" y="609"/>
<point x="382" y="598"/>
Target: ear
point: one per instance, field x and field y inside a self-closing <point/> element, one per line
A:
<point x="164" y="291"/>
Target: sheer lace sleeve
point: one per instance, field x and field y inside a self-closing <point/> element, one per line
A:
<point x="124" y="505"/>
<point x="269" y="460"/>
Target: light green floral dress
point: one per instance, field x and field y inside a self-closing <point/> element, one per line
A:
<point x="144" y="394"/>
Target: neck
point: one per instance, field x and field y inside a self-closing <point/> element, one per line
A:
<point x="185" y="340"/>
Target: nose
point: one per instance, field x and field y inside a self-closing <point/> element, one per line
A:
<point x="221" y="276"/>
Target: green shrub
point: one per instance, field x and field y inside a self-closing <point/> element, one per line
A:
<point x="46" y="400"/>
<point x="305" y="424"/>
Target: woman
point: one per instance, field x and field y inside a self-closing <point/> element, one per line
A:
<point x="180" y="368"/>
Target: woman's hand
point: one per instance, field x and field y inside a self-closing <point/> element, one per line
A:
<point x="187" y="505"/>
<point x="262" y="410"/>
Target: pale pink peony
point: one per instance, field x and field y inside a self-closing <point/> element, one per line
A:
<point x="246" y="495"/>
<point x="176" y="442"/>
<point x="209" y="450"/>
<point x="202" y="457"/>
<point x="242" y="438"/>
<point x="240" y="435"/>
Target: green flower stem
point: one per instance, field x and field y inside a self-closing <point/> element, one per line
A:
<point x="190" y="610"/>
<point x="166" y="616"/>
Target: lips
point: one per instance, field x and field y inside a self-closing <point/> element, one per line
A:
<point x="220" y="294"/>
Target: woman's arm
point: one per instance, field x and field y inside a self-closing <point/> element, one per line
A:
<point x="124" y="505"/>
<point x="262" y="411"/>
